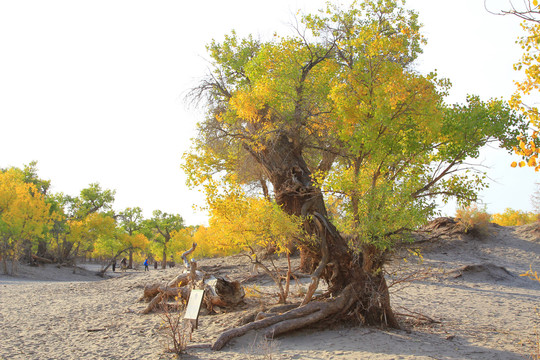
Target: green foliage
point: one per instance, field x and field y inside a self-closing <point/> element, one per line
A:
<point x="93" y="199"/>
<point x="131" y="220"/>
<point x="377" y="137"/>
<point x="163" y="226"/>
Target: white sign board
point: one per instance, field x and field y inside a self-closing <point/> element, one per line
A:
<point x="194" y="306"/>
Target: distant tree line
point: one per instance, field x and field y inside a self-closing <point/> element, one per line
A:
<point x="38" y="225"/>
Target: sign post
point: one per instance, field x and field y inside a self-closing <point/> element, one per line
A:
<point x="194" y="306"/>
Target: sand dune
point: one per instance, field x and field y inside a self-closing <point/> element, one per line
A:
<point x="481" y="309"/>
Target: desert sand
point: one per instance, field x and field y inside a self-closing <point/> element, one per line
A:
<point x="464" y="300"/>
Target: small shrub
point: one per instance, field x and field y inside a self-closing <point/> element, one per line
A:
<point x="262" y="350"/>
<point x="175" y="331"/>
<point x="474" y="220"/>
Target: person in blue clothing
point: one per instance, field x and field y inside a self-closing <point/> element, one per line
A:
<point x="146" y="265"/>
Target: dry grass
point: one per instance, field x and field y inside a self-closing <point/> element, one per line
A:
<point x="475" y="220"/>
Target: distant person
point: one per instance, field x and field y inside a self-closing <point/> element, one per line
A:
<point x="155" y="264"/>
<point x="114" y="265"/>
<point x="146" y="265"/>
<point x="124" y="264"/>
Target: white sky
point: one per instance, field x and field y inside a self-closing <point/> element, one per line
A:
<point x="93" y="90"/>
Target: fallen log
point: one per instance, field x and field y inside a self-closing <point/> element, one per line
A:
<point x="153" y="304"/>
<point x="41" y="259"/>
<point x="184" y="278"/>
<point x="151" y="290"/>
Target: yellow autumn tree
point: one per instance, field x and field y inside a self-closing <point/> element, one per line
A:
<point x="204" y="237"/>
<point x="85" y="232"/>
<point x="529" y="87"/>
<point x="24" y="216"/>
<point x="181" y="241"/>
<point x="251" y="224"/>
<point x="339" y="109"/>
<point x="511" y="217"/>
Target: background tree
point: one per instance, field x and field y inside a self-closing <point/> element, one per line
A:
<point x="338" y="108"/>
<point x="164" y="225"/>
<point x="78" y="223"/>
<point x="84" y="233"/>
<point x="511" y="217"/>
<point x="30" y="175"/>
<point x="114" y="244"/>
<point x="24" y="216"/>
<point x="91" y="200"/>
<point x="131" y="220"/>
<point x="528" y="87"/>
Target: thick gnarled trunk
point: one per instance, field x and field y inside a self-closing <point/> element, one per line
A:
<point x="329" y="259"/>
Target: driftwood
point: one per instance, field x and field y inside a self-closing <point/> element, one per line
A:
<point x="218" y="291"/>
<point x="41" y="259"/>
<point x="164" y="293"/>
<point x="186" y="253"/>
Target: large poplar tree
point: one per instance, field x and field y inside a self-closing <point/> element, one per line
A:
<point x="338" y="113"/>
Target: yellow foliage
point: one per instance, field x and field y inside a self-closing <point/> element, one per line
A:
<point x="180" y="242"/>
<point x="474" y="219"/>
<point x="238" y="223"/>
<point x="23" y="211"/>
<point x="531" y="274"/>
<point x="530" y="65"/>
<point x="86" y="231"/>
<point x="252" y="291"/>
<point x="24" y="215"/>
<point x="512" y="217"/>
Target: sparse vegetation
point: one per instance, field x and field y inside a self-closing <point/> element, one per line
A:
<point x="175" y="331"/>
<point x="474" y="219"/>
<point x="262" y="349"/>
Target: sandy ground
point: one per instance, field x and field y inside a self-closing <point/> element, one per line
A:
<point x="482" y="312"/>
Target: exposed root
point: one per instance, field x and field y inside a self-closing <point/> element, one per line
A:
<point x="297" y="318"/>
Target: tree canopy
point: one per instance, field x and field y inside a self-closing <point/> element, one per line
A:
<point x="375" y="135"/>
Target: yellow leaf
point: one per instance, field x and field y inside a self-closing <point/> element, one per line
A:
<point x="522" y="164"/>
<point x="514" y="164"/>
<point x="535" y="2"/>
